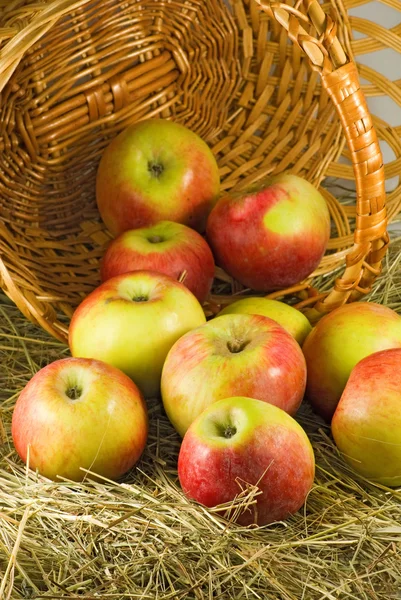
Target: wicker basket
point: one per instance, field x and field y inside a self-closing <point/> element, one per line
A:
<point x="74" y="74"/>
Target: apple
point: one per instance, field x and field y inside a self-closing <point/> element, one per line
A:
<point x="287" y="316"/>
<point x="366" y="425"/>
<point x="166" y="247"/>
<point x="76" y="414"/>
<point x="239" y="441"/>
<point x="131" y="321"/>
<point x="338" y="342"/>
<point x="156" y="170"/>
<point x="271" y="235"/>
<point x="232" y="355"/>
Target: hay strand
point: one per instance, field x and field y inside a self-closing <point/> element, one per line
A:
<point x="140" y="537"/>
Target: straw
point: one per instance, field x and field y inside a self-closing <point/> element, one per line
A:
<point x="141" y="538"/>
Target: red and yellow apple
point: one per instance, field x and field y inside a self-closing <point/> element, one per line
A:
<point x="131" y="321"/>
<point x="272" y="235"/>
<point x="287" y="316"/>
<point x="77" y="414"/>
<point x="166" y="247"/>
<point x="239" y="441"/>
<point x="232" y="355"/>
<point x="366" y="425"/>
<point x="156" y="170"/>
<point x="338" y="342"/>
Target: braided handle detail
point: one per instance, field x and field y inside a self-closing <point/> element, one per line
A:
<point x="363" y="261"/>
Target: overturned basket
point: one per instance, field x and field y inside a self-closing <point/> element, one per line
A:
<point x="74" y="74"/>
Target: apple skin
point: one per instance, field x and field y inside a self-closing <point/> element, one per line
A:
<point x="166" y="247"/>
<point x="287" y="227"/>
<point x="201" y="369"/>
<point x="131" y="321"/>
<point x="243" y="440"/>
<point x="287" y="316"/>
<point x="338" y="342"/>
<point x="156" y="170"/>
<point x="104" y="430"/>
<point x="366" y="425"/>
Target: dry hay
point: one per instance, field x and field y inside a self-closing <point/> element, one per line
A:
<point x="140" y="538"/>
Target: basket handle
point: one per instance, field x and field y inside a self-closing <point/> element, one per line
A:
<point x="341" y="81"/>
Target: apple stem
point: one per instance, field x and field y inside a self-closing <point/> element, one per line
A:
<point x="236" y="346"/>
<point x="229" y="431"/>
<point x="74" y="392"/>
<point x="155" y="239"/>
<point x="140" y="298"/>
<point x="155" y="168"/>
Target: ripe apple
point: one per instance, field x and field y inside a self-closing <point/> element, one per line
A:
<point x="338" y="342"/>
<point x="166" y="247"/>
<point x="232" y="355"/>
<point x="78" y="413"/>
<point x="238" y="441"/>
<point x="156" y="170"/>
<point x="272" y="235"/>
<point x="131" y="321"/>
<point x="287" y="316"/>
<point x="366" y="425"/>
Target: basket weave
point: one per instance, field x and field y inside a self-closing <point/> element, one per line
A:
<point x="74" y="74"/>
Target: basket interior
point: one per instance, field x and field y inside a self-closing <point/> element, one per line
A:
<point x="225" y="70"/>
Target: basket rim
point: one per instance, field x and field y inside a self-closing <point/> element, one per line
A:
<point x="339" y="77"/>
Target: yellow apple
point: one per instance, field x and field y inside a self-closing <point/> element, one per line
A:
<point x="285" y="315"/>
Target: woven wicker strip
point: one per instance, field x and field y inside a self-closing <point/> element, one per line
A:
<point x="73" y="74"/>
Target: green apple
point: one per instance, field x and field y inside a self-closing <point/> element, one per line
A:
<point x="287" y="316"/>
<point x="239" y="441"/>
<point x="131" y="321"/>
<point x="77" y="414"/>
<point x="338" y="342"/>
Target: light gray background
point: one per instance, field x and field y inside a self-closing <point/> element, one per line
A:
<point x="387" y="62"/>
